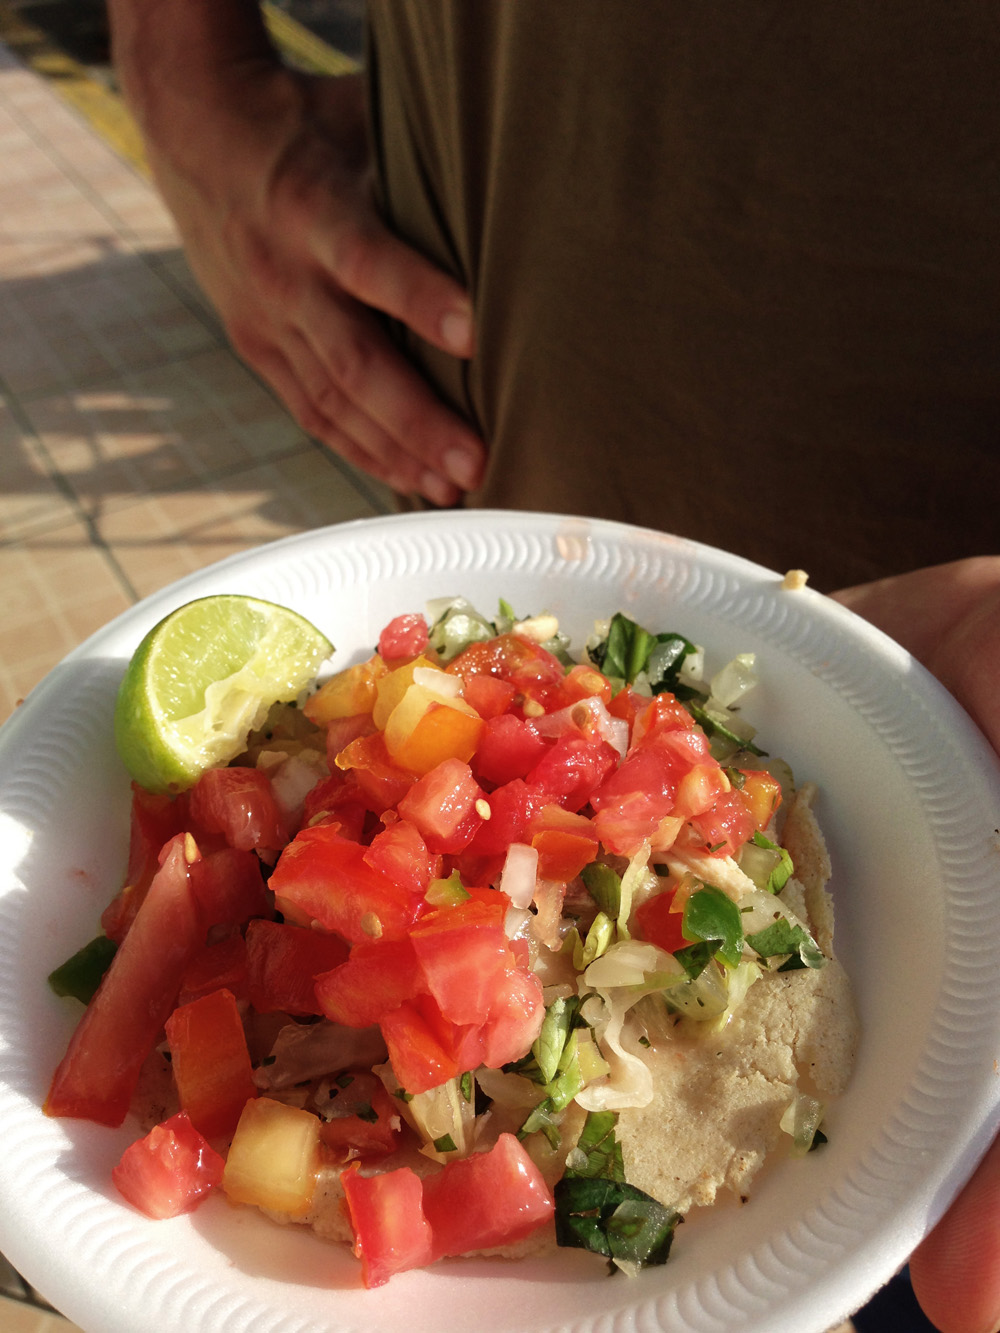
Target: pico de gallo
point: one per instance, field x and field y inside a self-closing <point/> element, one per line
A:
<point x="416" y="938"/>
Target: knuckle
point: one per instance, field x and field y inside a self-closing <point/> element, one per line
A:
<point x="274" y="284"/>
<point x="350" y="359"/>
<point x="355" y="260"/>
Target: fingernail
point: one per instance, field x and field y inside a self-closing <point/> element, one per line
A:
<point x="456" y="331"/>
<point x="463" y="467"/>
<point x="435" y="488"/>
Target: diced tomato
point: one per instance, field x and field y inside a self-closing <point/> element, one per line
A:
<point x="381" y="782"/>
<point x="654" y="769"/>
<point x="283" y="962"/>
<point x="627" y="705"/>
<point x="517" y="1010"/>
<point x="533" y="670"/>
<point x="474" y="1203"/>
<point x="508" y="748"/>
<point x="210" y="1062"/>
<point x="573" y="768"/>
<point x="377" y="977"/>
<point x="565" y="842"/>
<point x="345" y="695"/>
<point x="584" y="682"/>
<point x="403" y="637"/>
<point x="155" y="819"/>
<point x="630" y="819"/>
<point x="395" y="684"/>
<point x="341" y="732"/>
<point x="229" y="888"/>
<point x="323" y="877"/>
<point x="117" y="917"/>
<point x="665" y="713"/>
<point x="485" y="1200"/>
<point x="418" y="1043"/>
<point x="98" y="1074"/>
<point x="169" y="1171"/>
<point x="442" y="805"/>
<point x="488" y="695"/>
<point x="391" y="1233"/>
<point x="239" y="804"/>
<point x="400" y="853"/>
<point x="366" y="1121"/>
<point x="761" y="794"/>
<point x="462" y="952"/>
<point x="699" y="789"/>
<point x="274" y="1157"/>
<point x="726" y="827"/>
<point x="511" y="808"/>
<point x="218" y="965"/>
<point x="337" y="799"/>
<point x="423" y="731"/>
<point x="657" y="922"/>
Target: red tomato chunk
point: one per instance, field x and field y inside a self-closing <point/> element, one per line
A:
<point x="283" y="962"/>
<point x="120" y="1026"/>
<point x="476" y="1203"/>
<point x="211" y="1063"/>
<point x="169" y="1171"/>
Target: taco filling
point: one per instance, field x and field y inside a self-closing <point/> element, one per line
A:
<point x="482" y="949"/>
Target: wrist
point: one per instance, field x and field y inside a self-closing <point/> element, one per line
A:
<point x="183" y="56"/>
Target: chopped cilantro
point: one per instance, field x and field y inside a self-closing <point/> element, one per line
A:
<point x="711" y="916"/>
<point x="613" y="1218"/>
<point x="81" y="974"/>
<point x="713" y="727"/>
<point x="783" y="938"/>
<point x="629" y="650"/>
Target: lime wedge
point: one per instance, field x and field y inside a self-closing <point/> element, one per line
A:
<point x="203" y="678"/>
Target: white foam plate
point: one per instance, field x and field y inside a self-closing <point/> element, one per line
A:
<point x="910" y="803"/>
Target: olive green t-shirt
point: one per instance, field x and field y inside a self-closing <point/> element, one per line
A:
<point x="735" y="266"/>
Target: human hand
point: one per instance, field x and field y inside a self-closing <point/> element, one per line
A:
<point x="948" y="616"/>
<point x="266" y="172"/>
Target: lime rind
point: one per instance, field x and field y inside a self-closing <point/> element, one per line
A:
<point x="203" y="678"/>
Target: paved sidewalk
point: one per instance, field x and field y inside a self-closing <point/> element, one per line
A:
<point x="134" y="446"/>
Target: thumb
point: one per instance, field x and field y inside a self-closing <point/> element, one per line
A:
<point x="956" y="1271"/>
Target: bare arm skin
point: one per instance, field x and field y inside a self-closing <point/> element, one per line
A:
<point x="266" y="172"/>
<point x="949" y="618"/>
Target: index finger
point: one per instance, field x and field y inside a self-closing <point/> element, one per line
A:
<point x="386" y="273"/>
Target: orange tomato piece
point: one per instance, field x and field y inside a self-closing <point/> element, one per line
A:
<point x="211" y="1063"/>
<point x="346" y="694"/>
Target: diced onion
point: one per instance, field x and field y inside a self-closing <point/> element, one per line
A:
<point x="623" y="964"/>
<point x="520" y="871"/>
<point x="292" y="777"/>
<point x="614" y="730"/>
<point x="801" y="1120"/>
<point x="636" y="876"/>
<point x="539" y="629"/>
<point x="438" y="683"/>
<point x="721" y="871"/>
<point x="735" y="679"/>
<point x="630" y="1082"/>
<point x="549" y="896"/>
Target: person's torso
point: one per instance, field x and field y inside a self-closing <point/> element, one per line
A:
<point x="735" y="267"/>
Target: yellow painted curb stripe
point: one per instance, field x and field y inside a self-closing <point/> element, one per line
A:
<point x="302" y="47"/>
<point x="102" y="108"/>
<point x="105" y="110"/>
